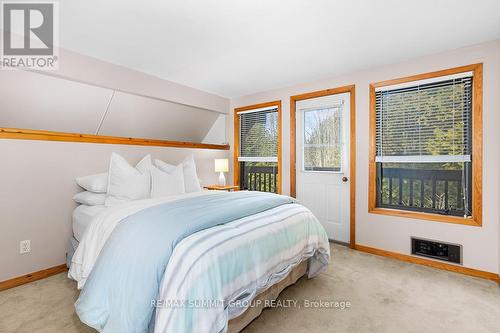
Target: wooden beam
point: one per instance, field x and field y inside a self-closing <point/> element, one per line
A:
<point x="28" y="134"/>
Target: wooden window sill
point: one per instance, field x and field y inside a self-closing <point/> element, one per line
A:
<point x="425" y="216"/>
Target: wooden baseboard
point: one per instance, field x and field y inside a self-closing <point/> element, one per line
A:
<point x="44" y="273"/>
<point x="20" y="280"/>
<point x="430" y="263"/>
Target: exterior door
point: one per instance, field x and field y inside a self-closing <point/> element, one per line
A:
<point x="322" y="145"/>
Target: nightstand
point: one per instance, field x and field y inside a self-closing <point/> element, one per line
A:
<point x="228" y="188"/>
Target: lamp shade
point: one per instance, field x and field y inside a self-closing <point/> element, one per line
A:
<point x="221" y="165"/>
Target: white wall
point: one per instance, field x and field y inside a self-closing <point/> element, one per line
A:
<point x="86" y="69"/>
<point x="37" y="178"/>
<point x="61" y="105"/>
<point x="37" y="182"/>
<point x="481" y="248"/>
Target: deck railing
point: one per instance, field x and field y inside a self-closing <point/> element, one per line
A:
<point x="434" y="191"/>
<point x="259" y="178"/>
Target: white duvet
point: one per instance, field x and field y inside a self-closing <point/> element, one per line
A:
<point x="101" y="227"/>
<point x="208" y="263"/>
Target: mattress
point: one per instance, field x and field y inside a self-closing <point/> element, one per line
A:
<point x="82" y="216"/>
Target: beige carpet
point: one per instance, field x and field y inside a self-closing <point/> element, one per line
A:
<point x="385" y="296"/>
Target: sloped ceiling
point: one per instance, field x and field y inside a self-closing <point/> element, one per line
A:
<point x="234" y="48"/>
<point x="36" y="101"/>
<point x="142" y="117"/>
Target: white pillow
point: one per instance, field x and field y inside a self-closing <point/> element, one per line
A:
<point x="127" y="183"/>
<point x="164" y="184"/>
<point x="94" y="183"/>
<point x="90" y="198"/>
<point x="191" y="182"/>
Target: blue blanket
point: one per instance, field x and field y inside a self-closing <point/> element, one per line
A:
<point x="126" y="277"/>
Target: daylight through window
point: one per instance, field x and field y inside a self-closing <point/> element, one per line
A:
<point x="424" y="145"/>
<point x="258" y="153"/>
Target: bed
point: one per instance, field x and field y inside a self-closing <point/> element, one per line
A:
<point x="195" y="262"/>
<point x="82" y="218"/>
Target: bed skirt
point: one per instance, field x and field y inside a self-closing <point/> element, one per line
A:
<point x="239" y="323"/>
<point x="72" y="245"/>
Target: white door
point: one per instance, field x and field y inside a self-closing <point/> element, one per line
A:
<point x="323" y="161"/>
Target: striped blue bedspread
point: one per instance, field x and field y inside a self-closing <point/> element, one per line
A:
<point x="183" y="263"/>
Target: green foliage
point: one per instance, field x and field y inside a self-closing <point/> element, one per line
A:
<point x="322" y="139"/>
<point x="425" y="122"/>
<point x="434" y="117"/>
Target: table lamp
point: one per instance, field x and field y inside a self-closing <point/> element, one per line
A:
<point x="221" y="166"/>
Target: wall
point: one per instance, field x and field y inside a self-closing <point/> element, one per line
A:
<point x="61" y="105"/>
<point x="37" y="178"/>
<point x="38" y="182"/>
<point x="86" y="69"/>
<point x="481" y="248"/>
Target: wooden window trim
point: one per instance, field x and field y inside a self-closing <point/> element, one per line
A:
<point x="477" y="149"/>
<point x="28" y="134"/>
<point x="236" y="137"/>
<point x="351" y="89"/>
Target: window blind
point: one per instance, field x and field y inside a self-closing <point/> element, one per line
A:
<point x="258" y="135"/>
<point x="425" y="121"/>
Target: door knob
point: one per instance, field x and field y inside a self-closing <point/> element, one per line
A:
<point x="345" y="179"/>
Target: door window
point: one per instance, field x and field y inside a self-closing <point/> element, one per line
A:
<point x="322" y="139"/>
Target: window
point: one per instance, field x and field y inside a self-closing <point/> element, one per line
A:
<point x="425" y="155"/>
<point x="257" y="147"/>
<point x="323" y="139"/>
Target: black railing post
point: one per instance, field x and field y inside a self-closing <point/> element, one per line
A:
<point x="379" y="185"/>
<point x="411" y="192"/>
<point x="400" y="201"/>
<point x="243" y="177"/>
<point x="422" y="191"/>
<point x="434" y="193"/>
<point x="446" y="195"/>
<point x="390" y="190"/>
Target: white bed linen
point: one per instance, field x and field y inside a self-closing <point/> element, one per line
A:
<point x="101" y="228"/>
<point x="82" y="217"/>
<point x="199" y="268"/>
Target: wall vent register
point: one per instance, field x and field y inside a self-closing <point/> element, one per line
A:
<point x="437" y="250"/>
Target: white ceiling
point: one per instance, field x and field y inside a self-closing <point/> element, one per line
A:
<point x="234" y="48"/>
